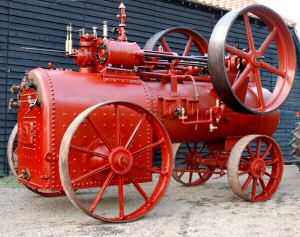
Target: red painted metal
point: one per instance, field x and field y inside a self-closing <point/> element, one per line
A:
<point x="125" y="159"/>
<point x="84" y="129"/>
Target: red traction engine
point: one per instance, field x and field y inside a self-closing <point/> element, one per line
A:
<point x="107" y="136"/>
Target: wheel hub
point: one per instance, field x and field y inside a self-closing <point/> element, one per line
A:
<point x="192" y="158"/>
<point x="255" y="59"/>
<point x="120" y="160"/>
<point x="258" y="168"/>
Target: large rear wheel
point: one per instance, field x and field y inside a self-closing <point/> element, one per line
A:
<point x="123" y="158"/>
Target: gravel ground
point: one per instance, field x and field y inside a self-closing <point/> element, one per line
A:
<point x="209" y="210"/>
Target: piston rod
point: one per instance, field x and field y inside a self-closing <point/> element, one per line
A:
<point x="170" y="56"/>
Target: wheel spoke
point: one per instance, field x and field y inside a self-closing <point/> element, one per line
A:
<point x="101" y="135"/>
<point x="236" y="52"/>
<point x="259" y="143"/>
<point x="246" y="184"/>
<point x="195" y="146"/>
<point x="118" y="130"/>
<point x="152" y="170"/>
<point x="91" y="173"/>
<point x="101" y="192"/>
<point x="249" y="32"/>
<point x="266" y="153"/>
<point x="243" y="159"/>
<point x="259" y="88"/>
<point x="272" y="69"/>
<point x="202" y="147"/>
<point x="159" y="142"/>
<point x="190" y="177"/>
<point x="200" y="175"/>
<point x="165" y="44"/>
<point x="188" y="47"/>
<point x="254" y="187"/>
<point x="137" y="186"/>
<point x="271" y="162"/>
<point x="134" y="133"/>
<point x="244" y="172"/>
<point x="269" y="175"/>
<point x="241" y="79"/>
<point x="121" y="196"/>
<point x="267" y="42"/>
<point x="181" y="174"/>
<point x="87" y="151"/>
<point x="188" y="147"/>
<point x="250" y="151"/>
<point x="262" y="183"/>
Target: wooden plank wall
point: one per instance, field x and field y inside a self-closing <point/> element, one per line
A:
<point x="36" y="23"/>
<point x="4" y="26"/>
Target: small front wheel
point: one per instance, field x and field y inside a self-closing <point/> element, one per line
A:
<point x="255" y="168"/>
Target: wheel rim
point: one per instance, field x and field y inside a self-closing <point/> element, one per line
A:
<point x="12" y="153"/>
<point x="253" y="62"/>
<point x="186" y="169"/>
<point x="118" y="152"/>
<point x="191" y="38"/>
<point x="255" y="168"/>
<point x="43" y="193"/>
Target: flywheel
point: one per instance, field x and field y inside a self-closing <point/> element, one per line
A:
<point x="270" y="65"/>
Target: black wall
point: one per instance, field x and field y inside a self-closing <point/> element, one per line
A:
<point x="34" y="23"/>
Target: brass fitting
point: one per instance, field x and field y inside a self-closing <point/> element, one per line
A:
<point x="14" y="88"/>
<point x="25" y="174"/>
<point x="212" y="127"/>
<point x="180" y="113"/>
<point x="13" y="104"/>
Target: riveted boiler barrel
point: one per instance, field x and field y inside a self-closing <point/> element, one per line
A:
<point x="62" y="95"/>
<point x="67" y="93"/>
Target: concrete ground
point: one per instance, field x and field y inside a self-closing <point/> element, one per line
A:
<point x="209" y="210"/>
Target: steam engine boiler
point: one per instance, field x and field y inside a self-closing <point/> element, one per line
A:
<point x="113" y="128"/>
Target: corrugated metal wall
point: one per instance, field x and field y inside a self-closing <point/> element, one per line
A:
<point x="35" y="23"/>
